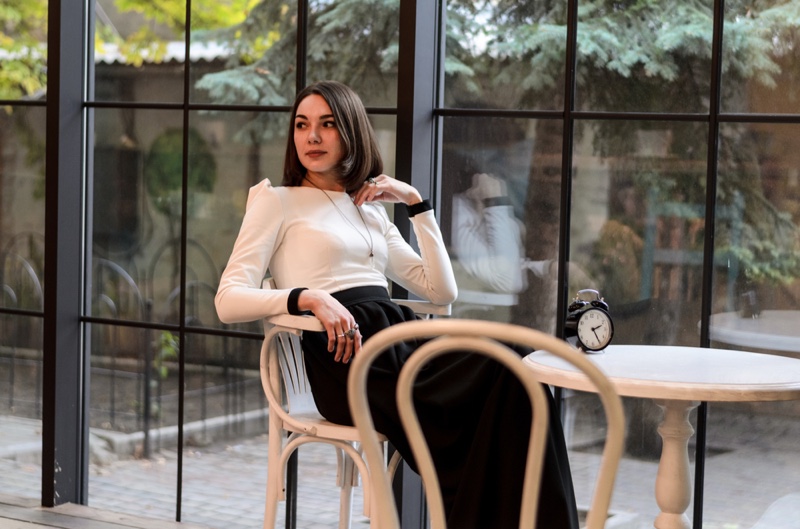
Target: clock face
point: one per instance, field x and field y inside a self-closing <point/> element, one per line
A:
<point x="595" y="329"/>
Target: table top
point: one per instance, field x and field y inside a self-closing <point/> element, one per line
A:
<point x="773" y="329"/>
<point x="680" y="373"/>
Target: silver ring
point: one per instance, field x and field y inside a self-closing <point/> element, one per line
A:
<point x="371" y="180"/>
<point x="352" y="332"/>
<point x="340" y="335"/>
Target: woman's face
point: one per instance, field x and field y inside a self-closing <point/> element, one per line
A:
<point x="317" y="139"/>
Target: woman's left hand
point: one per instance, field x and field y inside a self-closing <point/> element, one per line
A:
<point x="384" y="188"/>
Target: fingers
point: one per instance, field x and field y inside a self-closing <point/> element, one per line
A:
<point x="373" y="189"/>
<point x="386" y="189"/>
<point x="352" y="344"/>
<point x="344" y="341"/>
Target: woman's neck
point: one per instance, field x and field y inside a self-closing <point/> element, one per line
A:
<point x="326" y="183"/>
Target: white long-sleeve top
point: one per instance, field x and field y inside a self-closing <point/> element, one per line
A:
<point x="488" y="243"/>
<point x="303" y="238"/>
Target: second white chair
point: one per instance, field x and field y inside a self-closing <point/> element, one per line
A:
<point x="485" y="338"/>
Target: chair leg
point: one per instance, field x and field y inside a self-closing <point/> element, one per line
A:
<point x="274" y="488"/>
<point x="347" y="476"/>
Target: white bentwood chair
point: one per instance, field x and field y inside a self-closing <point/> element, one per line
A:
<point x="482" y="337"/>
<point x="294" y="419"/>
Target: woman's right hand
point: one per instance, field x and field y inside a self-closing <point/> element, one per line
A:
<point x="384" y="188"/>
<point x="337" y="321"/>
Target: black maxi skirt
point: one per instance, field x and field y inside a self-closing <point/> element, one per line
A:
<point x="475" y="415"/>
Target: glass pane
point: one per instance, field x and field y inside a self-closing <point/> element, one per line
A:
<point x="484" y="68"/>
<point x="652" y="57"/>
<point x="225" y="423"/>
<point x="757" y="294"/>
<point x="759" y="54"/>
<point x="627" y="240"/>
<point x="21" y="369"/>
<point x="22" y="138"/>
<point x="633" y="503"/>
<point x="240" y="149"/>
<point x="356" y="42"/>
<point x="755" y="308"/>
<point x="500" y="199"/>
<point x="21" y="288"/>
<point x="139" y="52"/>
<point x="386" y="134"/>
<point x="756" y="443"/>
<point x="243" y="52"/>
<point x="133" y="416"/>
<point x="23" y="48"/>
<point x="138" y="165"/>
<point x="637" y="226"/>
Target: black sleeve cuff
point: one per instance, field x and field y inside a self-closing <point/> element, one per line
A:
<point x="291" y="303"/>
<point x="497" y="201"/>
<point x="420" y="207"/>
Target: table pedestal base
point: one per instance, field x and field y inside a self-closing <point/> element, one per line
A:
<point x="673" y="482"/>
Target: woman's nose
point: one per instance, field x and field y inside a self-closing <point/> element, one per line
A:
<point x="313" y="136"/>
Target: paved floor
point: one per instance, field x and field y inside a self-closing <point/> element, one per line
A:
<point x="223" y="487"/>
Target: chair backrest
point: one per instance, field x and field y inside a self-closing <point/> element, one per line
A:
<point x="692" y="216"/>
<point x="283" y="370"/>
<point x="482" y="337"/>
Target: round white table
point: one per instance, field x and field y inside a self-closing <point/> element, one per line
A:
<point x="778" y="330"/>
<point x="678" y="379"/>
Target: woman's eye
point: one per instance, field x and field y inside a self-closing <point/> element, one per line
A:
<point x="329" y="124"/>
<point x="299" y="125"/>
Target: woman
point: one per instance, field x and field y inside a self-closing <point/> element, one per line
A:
<point x="330" y="247"/>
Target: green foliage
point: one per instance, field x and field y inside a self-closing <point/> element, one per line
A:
<point x="167" y="350"/>
<point x="165" y="21"/>
<point x="354" y="41"/>
<point x="23" y="39"/>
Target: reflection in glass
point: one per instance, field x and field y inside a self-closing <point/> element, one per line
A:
<point x="637" y="225"/>
<point x="484" y="68"/>
<point x="759" y="54"/>
<point x="243" y="53"/>
<point x="500" y="198"/>
<point x="644" y="58"/>
<point x="758" y="174"/>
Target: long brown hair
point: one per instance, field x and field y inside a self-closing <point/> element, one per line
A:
<point x="361" y="159"/>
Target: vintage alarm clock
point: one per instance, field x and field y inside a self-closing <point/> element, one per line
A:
<point x="588" y="325"/>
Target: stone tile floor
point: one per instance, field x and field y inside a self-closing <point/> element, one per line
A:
<point x="223" y="485"/>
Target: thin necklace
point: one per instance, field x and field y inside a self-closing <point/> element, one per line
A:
<point x="369" y="233"/>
